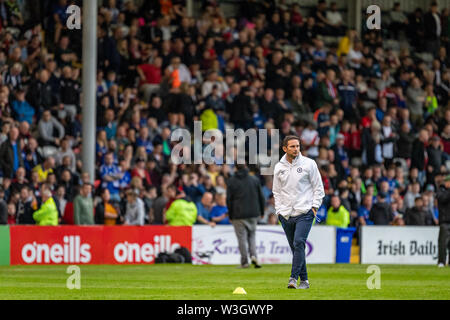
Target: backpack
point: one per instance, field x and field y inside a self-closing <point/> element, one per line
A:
<point x="164" y="257"/>
<point x="185" y="253"/>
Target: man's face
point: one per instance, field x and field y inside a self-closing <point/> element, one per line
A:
<point x="335" y="203"/>
<point x="293" y="148"/>
<point x="109" y="159"/>
<point x="50" y="163"/>
<point x="47" y="115"/>
<point x="368" y="202"/>
<point x="207" y="200"/>
<point x="14" y="134"/>
<point x="419" y="203"/>
<point x="67" y="161"/>
<point x="20" y="173"/>
<point x="171" y="192"/>
<point x="87" y="189"/>
<point x="24" y="194"/>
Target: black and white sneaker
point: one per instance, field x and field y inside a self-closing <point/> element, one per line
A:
<point x="255" y="263"/>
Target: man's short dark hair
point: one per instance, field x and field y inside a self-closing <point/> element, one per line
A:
<point x="289" y="138"/>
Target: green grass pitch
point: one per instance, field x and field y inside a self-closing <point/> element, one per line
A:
<point x="167" y="282"/>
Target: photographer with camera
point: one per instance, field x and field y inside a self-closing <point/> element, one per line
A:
<point x="443" y="197"/>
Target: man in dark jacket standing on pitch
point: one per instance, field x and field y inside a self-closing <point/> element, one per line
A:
<point x="245" y="202"/>
<point x="443" y="197"/>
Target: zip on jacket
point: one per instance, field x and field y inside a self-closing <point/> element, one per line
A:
<point x="297" y="186"/>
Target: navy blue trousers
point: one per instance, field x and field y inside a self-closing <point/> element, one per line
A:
<point x="297" y="230"/>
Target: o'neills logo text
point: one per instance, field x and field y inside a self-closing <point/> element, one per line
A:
<point x="134" y="252"/>
<point x="71" y="251"/>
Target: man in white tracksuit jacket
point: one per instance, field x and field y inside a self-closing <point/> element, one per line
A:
<point x="298" y="193"/>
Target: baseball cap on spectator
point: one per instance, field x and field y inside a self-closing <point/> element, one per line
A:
<point x="340" y="136"/>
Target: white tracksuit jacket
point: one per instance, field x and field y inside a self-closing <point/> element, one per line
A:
<point x="297" y="187"/>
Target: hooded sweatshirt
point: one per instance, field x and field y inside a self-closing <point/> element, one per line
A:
<point x="297" y="186"/>
<point x="245" y="198"/>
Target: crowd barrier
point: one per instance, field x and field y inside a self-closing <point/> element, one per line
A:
<point x="22" y="245"/>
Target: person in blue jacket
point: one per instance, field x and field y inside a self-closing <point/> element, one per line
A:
<point x="23" y="110"/>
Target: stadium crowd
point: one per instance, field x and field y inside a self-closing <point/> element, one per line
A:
<point x="376" y="120"/>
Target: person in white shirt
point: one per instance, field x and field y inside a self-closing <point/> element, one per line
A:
<point x="355" y="56"/>
<point x="336" y="23"/>
<point x="310" y="139"/>
<point x="298" y="192"/>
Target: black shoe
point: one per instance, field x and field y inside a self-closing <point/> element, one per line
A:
<point x="255" y="263"/>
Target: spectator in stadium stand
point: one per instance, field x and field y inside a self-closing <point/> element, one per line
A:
<point x="182" y="211"/>
<point x="134" y="209"/>
<point x="40" y="94"/>
<point x="60" y="200"/>
<point x="245" y="202"/>
<point x="69" y="93"/>
<point x="51" y="131"/>
<point x="204" y="207"/>
<point x="157" y="209"/>
<point x="219" y="212"/>
<point x="44" y="169"/>
<point x="10" y="154"/>
<point x="47" y="215"/>
<point x="150" y="76"/>
<point x="381" y="212"/>
<point x="435" y="157"/>
<point x="404" y="142"/>
<point x="23" y="110"/>
<point x="337" y="215"/>
<point x="417" y="215"/>
<point x="412" y="193"/>
<point x="3" y="208"/>
<point x="83" y="206"/>
<point x="432" y="29"/>
<point x="364" y="211"/>
<point x="64" y="151"/>
<point x="398" y="20"/>
<point x="31" y="155"/>
<point x="443" y="198"/>
<point x="111" y="175"/>
<point x="106" y="213"/>
<point x="19" y="181"/>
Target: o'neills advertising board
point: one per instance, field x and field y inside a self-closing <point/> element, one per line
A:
<point x="94" y="244"/>
<point x="399" y="245"/>
<point x="56" y="245"/>
<point x="218" y="245"/>
<point x="130" y="245"/>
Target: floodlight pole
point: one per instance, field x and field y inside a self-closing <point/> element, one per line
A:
<point x="89" y="106"/>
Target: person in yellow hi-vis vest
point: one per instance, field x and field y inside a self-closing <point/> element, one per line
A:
<point x="47" y="215"/>
<point x="337" y="215"/>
